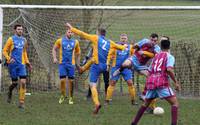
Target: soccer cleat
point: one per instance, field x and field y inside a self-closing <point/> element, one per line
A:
<point x="107" y="102"/>
<point x="149" y="111"/>
<point x="117" y="72"/>
<point x="9" y="98"/>
<point x="96" y="110"/>
<point x="142" y="98"/>
<point x="21" y="106"/>
<point x="133" y="102"/>
<point x="62" y="99"/>
<point x="133" y="124"/>
<point x="71" y="102"/>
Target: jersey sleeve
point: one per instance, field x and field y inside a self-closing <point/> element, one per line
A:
<point x="156" y="49"/>
<point x="142" y="42"/>
<point x="25" y="54"/>
<point x="58" y="43"/>
<point x="92" y="38"/>
<point x="77" y="47"/>
<point x="111" y="54"/>
<point x="7" y="48"/>
<point x="148" y="54"/>
<point x="131" y="50"/>
<point x="113" y="45"/>
<point x="170" y="61"/>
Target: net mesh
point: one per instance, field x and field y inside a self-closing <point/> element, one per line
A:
<point x="44" y="26"/>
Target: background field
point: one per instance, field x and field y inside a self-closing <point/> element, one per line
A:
<point x="43" y="109"/>
<point x="44" y="26"/>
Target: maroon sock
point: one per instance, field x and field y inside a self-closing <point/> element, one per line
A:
<point x="174" y="114"/>
<point x="139" y="115"/>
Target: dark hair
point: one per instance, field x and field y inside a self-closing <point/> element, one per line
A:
<point x="154" y="35"/>
<point x="17" y="25"/>
<point x="102" y="31"/>
<point x="165" y="44"/>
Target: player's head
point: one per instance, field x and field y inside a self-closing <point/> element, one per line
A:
<point x="69" y="33"/>
<point x="165" y="44"/>
<point x="154" y="38"/>
<point x="164" y="38"/>
<point x="18" y="29"/>
<point x="123" y="38"/>
<point x="101" y="31"/>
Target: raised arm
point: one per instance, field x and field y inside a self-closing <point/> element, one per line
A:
<point x="117" y="46"/>
<point x="92" y="38"/>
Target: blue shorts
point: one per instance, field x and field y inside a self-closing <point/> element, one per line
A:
<point x="126" y="73"/>
<point x="136" y="64"/>
<point x="66" y="70"/>
<point x="96" y="70"/>
<point x="159" y="93"/>
<point x="17" y="70"/>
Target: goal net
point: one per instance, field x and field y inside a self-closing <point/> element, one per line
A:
<point x="44" y="25"/>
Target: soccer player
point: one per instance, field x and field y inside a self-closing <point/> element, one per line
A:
<point x="101" y="47"/>
<point x="68" y="49"/>
<point x="158" y="83"/>
<point x="17" y="59"/>
<point x="145" y="89"/>
<point x="87" y="62"/>
<point x="118" y="57"/>
<point x="144" y="51"/>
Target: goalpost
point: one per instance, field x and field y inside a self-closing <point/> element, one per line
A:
<point x="45" y="23"/>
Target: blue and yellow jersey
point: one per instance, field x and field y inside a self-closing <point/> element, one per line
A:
<point x="67" y="50"/>
<point x="101" y="46"/>
<point x="15" y="48"/>
<point x="118" y="56"/>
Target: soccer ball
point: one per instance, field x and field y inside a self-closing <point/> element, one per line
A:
<point x="158" y="111"/>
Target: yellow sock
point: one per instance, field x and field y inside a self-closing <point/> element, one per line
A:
<point x="132" y="92"/>
<point x="63" y="86"/>
<point x="95" y="95"/>
<point x="153" y="104"/>
<point x="70" y="87"/>
<point x="22" y="91"/>
<point x="87" y="65"/>
<point x="110" y="91"/>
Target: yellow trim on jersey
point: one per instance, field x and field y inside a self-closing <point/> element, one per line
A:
<point x="59" y="46"/>
<point x="25" y="59"/>
<point x="76" y="51"/>
<point x="7" y="50"/>
<point x="131" y="50"/>
<point x="148" y="54"/>
<point x="94" y="40"/>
